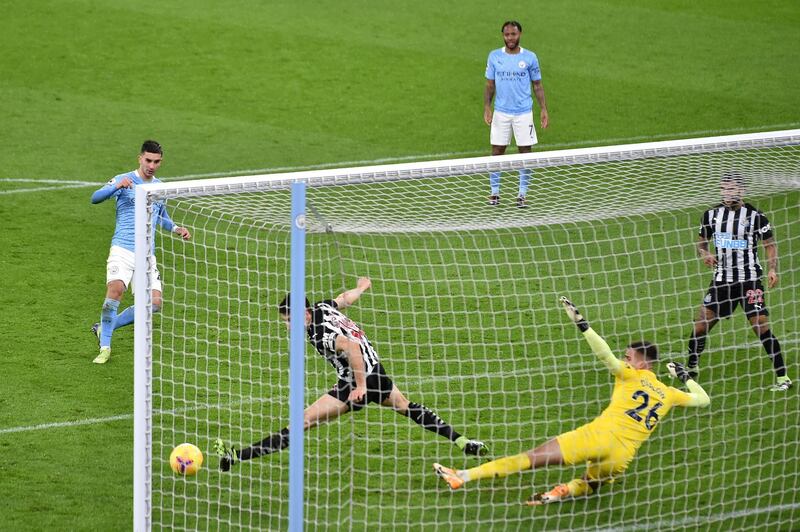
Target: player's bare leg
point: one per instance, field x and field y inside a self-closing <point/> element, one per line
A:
<point x="428" y="420"/>
<point x="760" y="325"/>
<point x="498" y="150"/>
<point x="547" y="454"/>
<point x="705" y="321"/>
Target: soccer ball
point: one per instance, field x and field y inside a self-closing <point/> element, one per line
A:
<point x="186" y="459"/>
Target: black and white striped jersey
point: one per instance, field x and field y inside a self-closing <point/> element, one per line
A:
<point x="735" y="235"/>
<point x="328" y="323"/>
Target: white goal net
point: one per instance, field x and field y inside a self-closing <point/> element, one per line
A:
<point x="463" y="312"/>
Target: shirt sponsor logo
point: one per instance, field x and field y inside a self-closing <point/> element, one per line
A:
<point x="764" y="229"/>
<point x="511" y="74"/>
<point x="726" y="241"/>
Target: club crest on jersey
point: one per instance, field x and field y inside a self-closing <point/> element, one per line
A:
<point x="726" y="241"/>
<point x="522" y="64"/>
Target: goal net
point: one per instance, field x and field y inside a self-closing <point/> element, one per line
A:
<point x="463" y="312"/>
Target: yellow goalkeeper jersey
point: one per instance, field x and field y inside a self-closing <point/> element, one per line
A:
<point x="638" y="403"/>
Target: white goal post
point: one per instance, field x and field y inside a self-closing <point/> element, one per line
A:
<point x="463" y="313"/>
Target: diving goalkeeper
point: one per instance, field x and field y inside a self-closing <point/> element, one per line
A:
<point x="609" y="443"/>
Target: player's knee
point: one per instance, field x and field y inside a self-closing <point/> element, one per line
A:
<point x="703" y="325"/>
<point x="156" y="307"/>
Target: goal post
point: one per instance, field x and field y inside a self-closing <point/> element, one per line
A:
<point x="463" y="313"/>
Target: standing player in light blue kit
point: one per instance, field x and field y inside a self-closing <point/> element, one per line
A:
<point x="121" y="264"/>
<point x="510" y="71"/>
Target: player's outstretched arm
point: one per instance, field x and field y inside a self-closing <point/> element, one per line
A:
<point x="698" y="395"/>
<point x="108" y="190"/>
<point x="598" y="345"/>
<point x="345" y="299"/>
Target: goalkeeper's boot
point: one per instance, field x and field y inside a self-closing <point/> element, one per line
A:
<point x="475" y="448"/>
<point x="102" y="358"/>
<point x="782" y="385"/>
<point x="494" y="199"/>
<point x="556" y="494"/>
<point x="227" y="455"/>
<point x="449" y="476"/>
<point x="96" y="333"/>
<point x="521" y="202"/>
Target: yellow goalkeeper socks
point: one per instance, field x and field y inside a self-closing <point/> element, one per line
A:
<point x="498" y="468"/>
<point x="579" y="487"/>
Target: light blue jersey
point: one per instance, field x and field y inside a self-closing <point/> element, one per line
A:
<point x="125" y="228"/>
<point x="512" y="75"/>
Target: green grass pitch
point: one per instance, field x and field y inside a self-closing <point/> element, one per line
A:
<point x="247" y="86"/>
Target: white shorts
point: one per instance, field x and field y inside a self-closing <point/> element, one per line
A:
<point x="121" y="265"/>
<point x="522" y="125"/>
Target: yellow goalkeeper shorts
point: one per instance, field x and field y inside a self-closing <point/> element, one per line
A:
<point x="595" y="445"/>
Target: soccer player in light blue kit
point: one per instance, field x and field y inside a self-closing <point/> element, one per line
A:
<point x="121" y="264"/>
<point x="510" y="71"/>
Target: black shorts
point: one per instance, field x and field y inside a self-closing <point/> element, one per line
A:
<point x="723" y="298"/>
<point x="379" y="386"/>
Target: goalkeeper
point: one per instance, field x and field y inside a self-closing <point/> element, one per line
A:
<point x="609" y="443"/>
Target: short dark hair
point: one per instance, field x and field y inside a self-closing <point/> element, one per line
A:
<point x="285" y="306"/>
<point x="648" y="349"/>
<point x="151" y="146"/>
<point x="732" y="177"/>
<point x="511" y="23"/>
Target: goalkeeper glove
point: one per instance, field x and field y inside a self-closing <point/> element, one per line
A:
<point x="574" y="314"/>
<point x="678" y="372"/>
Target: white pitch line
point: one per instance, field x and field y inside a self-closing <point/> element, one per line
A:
<point x="61" y="424"/>
<point x="419" y="157"/>
<point x="670" y="524"/>
<point x="47" y="189"/>
<point x="416" y="383"/>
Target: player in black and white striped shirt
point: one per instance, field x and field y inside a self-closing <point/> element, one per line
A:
<point x="736" y="228"/>
<point x="362" y="380"/>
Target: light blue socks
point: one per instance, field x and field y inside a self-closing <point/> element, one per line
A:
<point x="494" y="182"/>
<point x="107" y="318"/>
